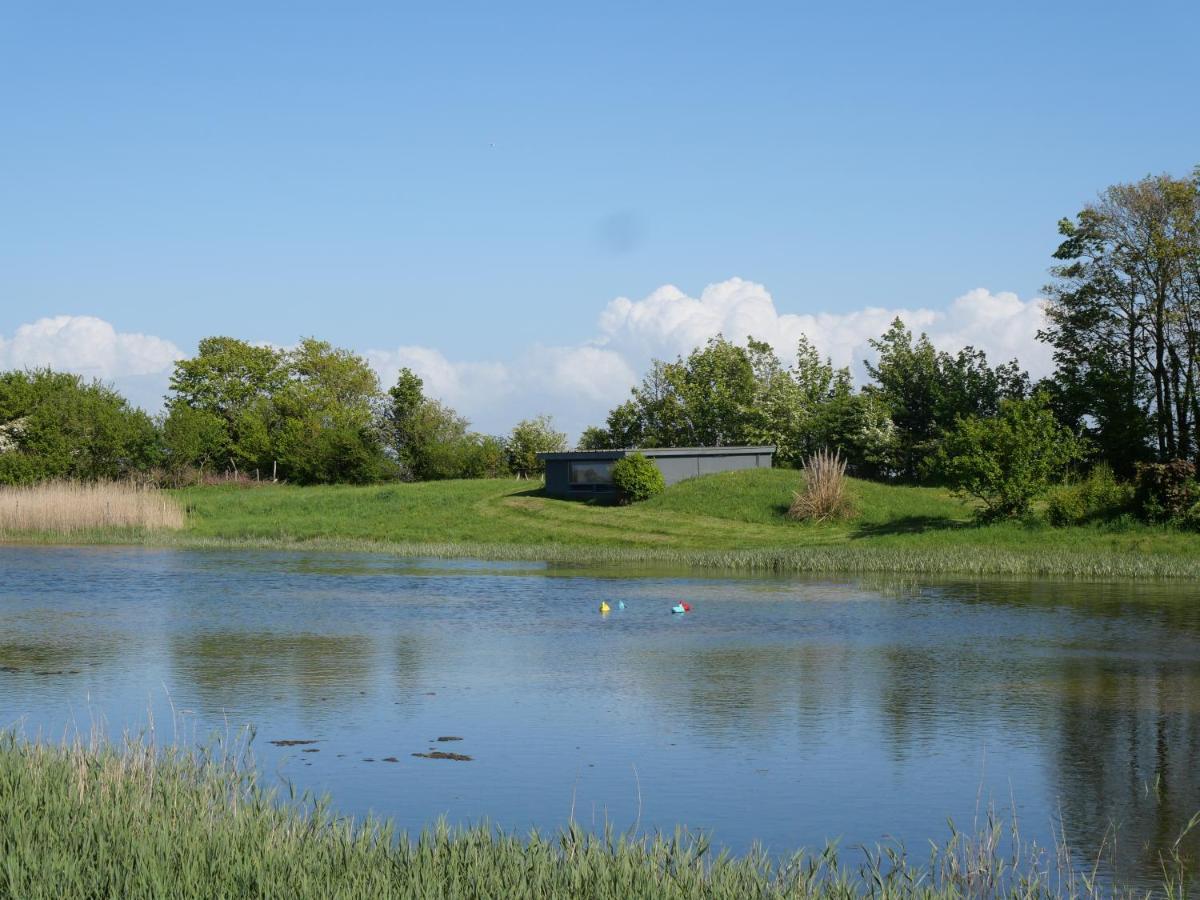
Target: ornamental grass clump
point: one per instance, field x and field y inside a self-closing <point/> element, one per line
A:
<point x="826" y="494"/>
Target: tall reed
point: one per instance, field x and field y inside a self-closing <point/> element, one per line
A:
<point x="82" y="820"/>
<point x="826" y="494"/>
<point x="69" y="507"/>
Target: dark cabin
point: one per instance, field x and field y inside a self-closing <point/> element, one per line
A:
<point x="588" y="473"/>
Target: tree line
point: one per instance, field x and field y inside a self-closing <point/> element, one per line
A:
<point x="314" y="414"/>
<point x="1123" y="320"/>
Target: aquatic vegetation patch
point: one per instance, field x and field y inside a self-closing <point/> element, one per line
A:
<point x="137" y="821"/>
<point x="71" y="508"/>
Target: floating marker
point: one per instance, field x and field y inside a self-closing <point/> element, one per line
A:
<point x="620" y="604"/>
<point x="604" y="607"/>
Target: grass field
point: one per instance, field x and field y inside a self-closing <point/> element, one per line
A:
<point x="86" y="821"/>
<point x="735" y="519"/>
<point x="732" y="520"/>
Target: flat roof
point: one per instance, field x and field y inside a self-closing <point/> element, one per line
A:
<point x="656" y="451"/>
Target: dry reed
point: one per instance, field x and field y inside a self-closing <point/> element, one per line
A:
<point x="826" y="494"/>
<point x="68" y="507"/>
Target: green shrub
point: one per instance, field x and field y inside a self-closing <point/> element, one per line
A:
<point x="1166" y="491"/>
<point x="1099" y="497"/>
<point x="637" y="478"/>
<point x="1065" y="505"/>
<point x="1008" y="460"/>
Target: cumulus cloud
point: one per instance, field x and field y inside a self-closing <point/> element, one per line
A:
<point x="669" y="322"/>
<point x="87" y="345"/>
<point x="580" y="383"/>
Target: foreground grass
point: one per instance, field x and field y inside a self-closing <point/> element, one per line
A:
<point x="735" y="520"/>
<point x="95" y="821"/>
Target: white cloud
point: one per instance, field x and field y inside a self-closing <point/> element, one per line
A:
<point x="580" y="383"/>
<point x="668" y="322"/>
<point x="86" y="345"/>
<point x="577" y="383"/>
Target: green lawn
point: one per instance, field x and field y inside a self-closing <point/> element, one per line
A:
<point x="732" y="519"/>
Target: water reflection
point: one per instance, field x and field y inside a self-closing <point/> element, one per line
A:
<point x="229" y="669"/>
<point x="781" y="710"/>
<point x="1126" y="751"/>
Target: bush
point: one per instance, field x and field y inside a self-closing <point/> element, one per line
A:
<point x="1065" y="506"/>
<point x="637" y="478"/>
<point x="1008" y="460"/>
<point x="1166" y="491"/>
<point x="1099" y="497"/>
<point x="826" y="494"/>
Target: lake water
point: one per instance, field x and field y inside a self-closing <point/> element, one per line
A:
<point x="780" y="710"/>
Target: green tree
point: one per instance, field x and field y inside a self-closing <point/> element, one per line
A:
<point x="405" y="398"/>
<point x="324" y="417"/>
<point x="1008" y="460"/>
<point x="1124" y="319"/>
<point x="926" y="391"/>
<point x="235" y="382"/>
<point x="529" y="438"/>
<point x="57" y="425"/>
<point x="194" y="438"/>
<point x="594" y="438"/>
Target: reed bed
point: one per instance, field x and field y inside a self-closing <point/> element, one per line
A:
<point x="95" y="820"/>
<point x="1100" y="565"/>
<point x="71" y="507"/>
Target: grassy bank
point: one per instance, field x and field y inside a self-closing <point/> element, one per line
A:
<point x="731" y="521"/>
<point x="94" y="821"/>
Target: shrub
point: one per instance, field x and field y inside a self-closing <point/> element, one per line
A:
<point x="826" y="494"/>
<point x="1099" y="497"/>
<point x="637" y="478"/>
<point x="1065" y="505"/>
<point x="1165" y="491"/>
<point x="1007" y="460"/>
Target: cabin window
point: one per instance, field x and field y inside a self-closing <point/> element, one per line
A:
<point x="592" y="472"/>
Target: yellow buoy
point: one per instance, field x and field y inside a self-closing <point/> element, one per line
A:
<point x="604" y="607"/>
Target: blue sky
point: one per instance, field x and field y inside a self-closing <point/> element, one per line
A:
<point x="478" y="183"/>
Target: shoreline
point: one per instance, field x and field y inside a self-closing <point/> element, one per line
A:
<point x="841" y="560"/>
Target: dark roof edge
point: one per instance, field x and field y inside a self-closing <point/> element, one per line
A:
<point x="657" y="451"/>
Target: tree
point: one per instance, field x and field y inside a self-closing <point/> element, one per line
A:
<point x="235" y="382"/>
<point x="908" y="381"/>
<point x="1124" y="319"/>
<point x="325" y="417"/>
<point x="594" y="438"/>
<point x="926" y="391"/>
<point x="404" y="400"/>
<point x="194" y="438"/>
<point x="529" y="438"/>
<point x="57" y="425"/>
<point x="706" y="400"/>
<point x="1008" y="460"/>
<point x="311" y="413"/>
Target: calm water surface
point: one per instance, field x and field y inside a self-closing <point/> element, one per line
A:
<point x="781" y="710"/>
